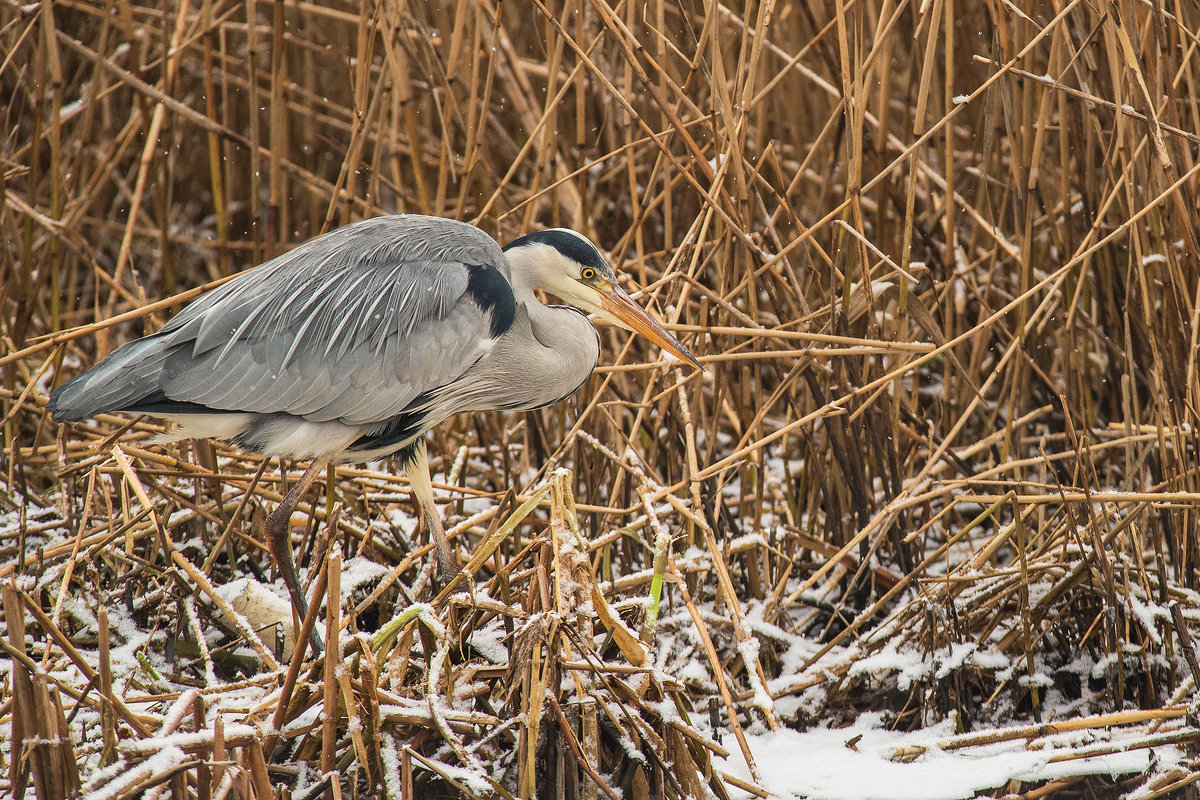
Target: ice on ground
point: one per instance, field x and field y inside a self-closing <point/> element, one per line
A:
<point x="867" y="762"/>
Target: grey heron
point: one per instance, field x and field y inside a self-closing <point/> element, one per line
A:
<point x="353" y="345"/>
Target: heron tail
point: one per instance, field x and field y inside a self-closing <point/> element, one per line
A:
<point x="125" y="379"/>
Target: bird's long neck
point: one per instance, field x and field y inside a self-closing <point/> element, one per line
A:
<point x="564" y="352"/>
<point x="564" y="331"/>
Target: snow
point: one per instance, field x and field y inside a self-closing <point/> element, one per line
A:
<point x="1149" y="614"/>
<point x="356" y="571"/>
<point x="909" y="666"/>
<point x="694" y="558"/>
<point x="867" y="762"/>
<point x="184" y="740"/>
<point x="489" y="643"/>
<point x="748" y="649"/>
<point x="160" y="763"/>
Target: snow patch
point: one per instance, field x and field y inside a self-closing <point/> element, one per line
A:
<point x="866" y="762"/>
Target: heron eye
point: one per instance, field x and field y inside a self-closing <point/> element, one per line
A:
<point x="587" y="273"/>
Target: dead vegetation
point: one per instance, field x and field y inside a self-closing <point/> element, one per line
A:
<point x="940" y="259"/>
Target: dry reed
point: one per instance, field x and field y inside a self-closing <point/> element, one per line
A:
<point x="938" y="257"/>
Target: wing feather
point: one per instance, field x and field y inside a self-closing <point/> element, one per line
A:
<point x="351" y="326"/>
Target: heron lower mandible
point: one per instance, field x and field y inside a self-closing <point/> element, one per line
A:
<point x="355" y="344"/>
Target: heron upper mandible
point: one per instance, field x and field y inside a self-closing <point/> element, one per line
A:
<point x="356" y="343"/>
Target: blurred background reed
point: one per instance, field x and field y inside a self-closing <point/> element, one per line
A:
<point x="939" y="259"/>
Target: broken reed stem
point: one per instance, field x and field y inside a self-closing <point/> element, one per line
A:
<point x="108" y="717"/>
<point x="573" y="743"/>
<point x="23" y="719"/>
<point x="718" y="670"/>
<point x="333" y="660"/>
<point x="1185" y="642"/>
<point x="297" y="661"/>
<point x="204" y="773"/>
<point x="222" y="780"/>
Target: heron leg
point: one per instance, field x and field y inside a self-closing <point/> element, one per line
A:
<point x="417" y="470"/>
<point x="280" y="545"/>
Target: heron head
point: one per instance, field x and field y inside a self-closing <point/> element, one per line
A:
<point x="566" y="264"/>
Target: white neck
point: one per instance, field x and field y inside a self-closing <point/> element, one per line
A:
<point x="558" y="349"/>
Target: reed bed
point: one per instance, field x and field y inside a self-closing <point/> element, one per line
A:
<point x="939" y="260"/>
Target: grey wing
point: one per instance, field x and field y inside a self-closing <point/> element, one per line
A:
<point x="351" y="326"/>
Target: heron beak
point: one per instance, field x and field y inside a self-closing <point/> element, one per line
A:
<point x="620" y="306"/>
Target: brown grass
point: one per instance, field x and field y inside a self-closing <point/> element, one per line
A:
<point x="939" y="258"/>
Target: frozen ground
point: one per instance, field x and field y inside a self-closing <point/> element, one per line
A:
<point x="153" y="613"/>
<point x="867" y="762"/>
